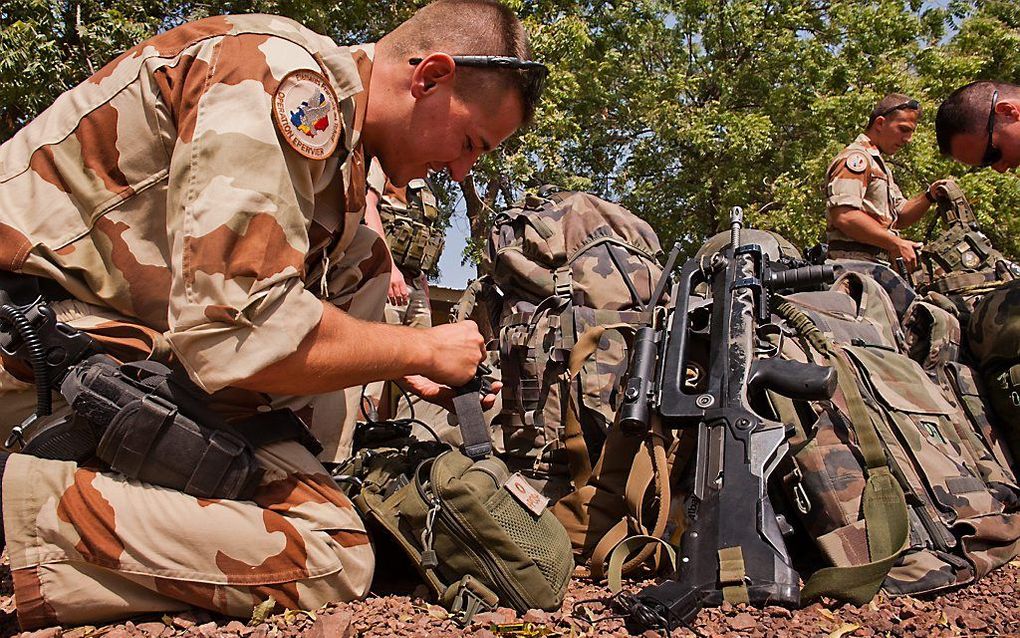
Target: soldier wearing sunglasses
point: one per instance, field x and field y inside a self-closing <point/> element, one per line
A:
<point x="864" y="206"/>
<point x="978" y="125"/>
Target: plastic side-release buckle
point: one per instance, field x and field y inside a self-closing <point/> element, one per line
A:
<point x="563" y="282"/>
<point x="467" y="597"/>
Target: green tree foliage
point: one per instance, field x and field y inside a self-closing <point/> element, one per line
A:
<point x="679" y="109"/>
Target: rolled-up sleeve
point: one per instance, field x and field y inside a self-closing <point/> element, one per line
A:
<point x="845" y="187"/>
<point x="239" y="209"/>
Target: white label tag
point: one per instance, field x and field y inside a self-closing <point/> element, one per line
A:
<point x="526" y="495"/>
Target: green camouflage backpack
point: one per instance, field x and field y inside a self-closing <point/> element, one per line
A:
<point x="894" y="480"/>
<point x="961" y="263"/>
<point x="993" y="340"/>
<point x="559" y="264"/>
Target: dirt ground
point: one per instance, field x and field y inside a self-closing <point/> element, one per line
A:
<point x="988" y="608"/>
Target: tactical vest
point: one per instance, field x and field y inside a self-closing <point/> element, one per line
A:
<point x="415" y="238"/>
<point x="961" y="262"/>
<point x="948" y="515"/>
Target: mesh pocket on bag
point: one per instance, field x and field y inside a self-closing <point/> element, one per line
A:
<point x="538" y="538"/>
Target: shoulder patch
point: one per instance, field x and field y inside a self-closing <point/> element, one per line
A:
<point x="307" y="115"/>
<point x="857" y="162"/>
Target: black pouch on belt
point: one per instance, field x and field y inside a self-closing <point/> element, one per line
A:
<point x="155" y="426"/>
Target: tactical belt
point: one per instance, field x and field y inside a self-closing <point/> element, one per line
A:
<point x="145" y="421"/>
<point x="843" y="245"/>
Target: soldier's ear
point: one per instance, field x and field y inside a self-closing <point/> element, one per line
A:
<point x="432" y="72"/>
<point x="1008" y="108"/>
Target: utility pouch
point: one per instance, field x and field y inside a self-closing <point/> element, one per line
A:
<point x="478" y="535"/>
<point x="152" y="427"/>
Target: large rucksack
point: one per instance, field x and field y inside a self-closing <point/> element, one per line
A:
<point x="569" y="277"/>
<point x="994" y="343"/>
<point x="557" y="265"/>
<point x="946" y="512"/>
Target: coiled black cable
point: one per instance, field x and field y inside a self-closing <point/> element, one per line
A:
<point x="36" y="355"/>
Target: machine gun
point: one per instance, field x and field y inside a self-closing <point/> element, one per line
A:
<point x="733" y="547"/>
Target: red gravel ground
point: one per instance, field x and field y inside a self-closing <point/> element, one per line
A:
<point x="989" y="608"/>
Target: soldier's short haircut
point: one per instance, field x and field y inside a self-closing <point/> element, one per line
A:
<point x="966" y="110"/>
<point x="472" y="27"/>
<point x="890" y="104"/>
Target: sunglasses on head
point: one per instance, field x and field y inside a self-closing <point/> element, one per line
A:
<point x="992" y="153"/>
<point x="537" y="70"/>
<point x="910" y="105"/>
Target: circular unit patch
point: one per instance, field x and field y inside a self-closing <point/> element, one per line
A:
<point x="306" y="113"/>
<point x="857" y="162"/>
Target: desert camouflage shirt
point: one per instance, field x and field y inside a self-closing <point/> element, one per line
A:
<point x="860" y="178"/>
<point x="196" y="183"/>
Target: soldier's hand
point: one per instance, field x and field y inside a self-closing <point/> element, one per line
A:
<point x="456" y="349"/>
<point x="936" y="186"/>
<point x="442" y="395"/>
<point x="906" y="249"/>
<point x="398" y="294"/>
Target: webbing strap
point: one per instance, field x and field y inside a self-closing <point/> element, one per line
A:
<point x="626" y="547"/>
<point x="961" y="281"/>
<point x="578" y="461"/>
<point x="649" y="466"/>
<point x="885" y="507"/>
<point x="468" y="406"/>
<point x="732" y="575"/>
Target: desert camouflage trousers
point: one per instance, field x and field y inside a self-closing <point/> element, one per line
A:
<point x="89" y="546"/>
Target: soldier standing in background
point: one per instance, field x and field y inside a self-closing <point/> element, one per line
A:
<point x="864" y="206"/>
<point x="408" y="220"/>
<point x="198" y="201"/>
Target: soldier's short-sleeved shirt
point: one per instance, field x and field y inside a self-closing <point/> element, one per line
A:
<point x="196" y="183"/>
<point x="860" y="178"/>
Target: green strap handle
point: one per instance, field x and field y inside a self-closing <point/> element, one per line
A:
<point x="626" y="547"/>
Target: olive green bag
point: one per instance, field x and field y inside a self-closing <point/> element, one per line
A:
<point x="479" y="536"/>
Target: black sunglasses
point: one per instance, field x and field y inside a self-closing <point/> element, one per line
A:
<point x="493" y="61"/>
<point x="992" y="153"/>
<point x="539" y="71"/>
<point x="910" y="105"/>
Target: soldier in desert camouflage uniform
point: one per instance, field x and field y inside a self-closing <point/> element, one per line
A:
<point x="408" y="298"/>
<point x="864" y="206"/>
<point x="407" y="302"/>
<point x="979" y="125"/>
<point x="199" y="199"/>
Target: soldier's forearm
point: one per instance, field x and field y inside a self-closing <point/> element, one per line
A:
<point x="862" y="227"/>
<point x="341" y="352"/>
<point x="912" y="211"/>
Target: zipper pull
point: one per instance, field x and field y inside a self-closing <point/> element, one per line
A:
<point x="324" y="280"/>
<point x="429" y="560"/>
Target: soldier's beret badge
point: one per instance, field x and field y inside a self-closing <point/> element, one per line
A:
<point x="307" y="115"/>
<point x="856" y="162"/>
